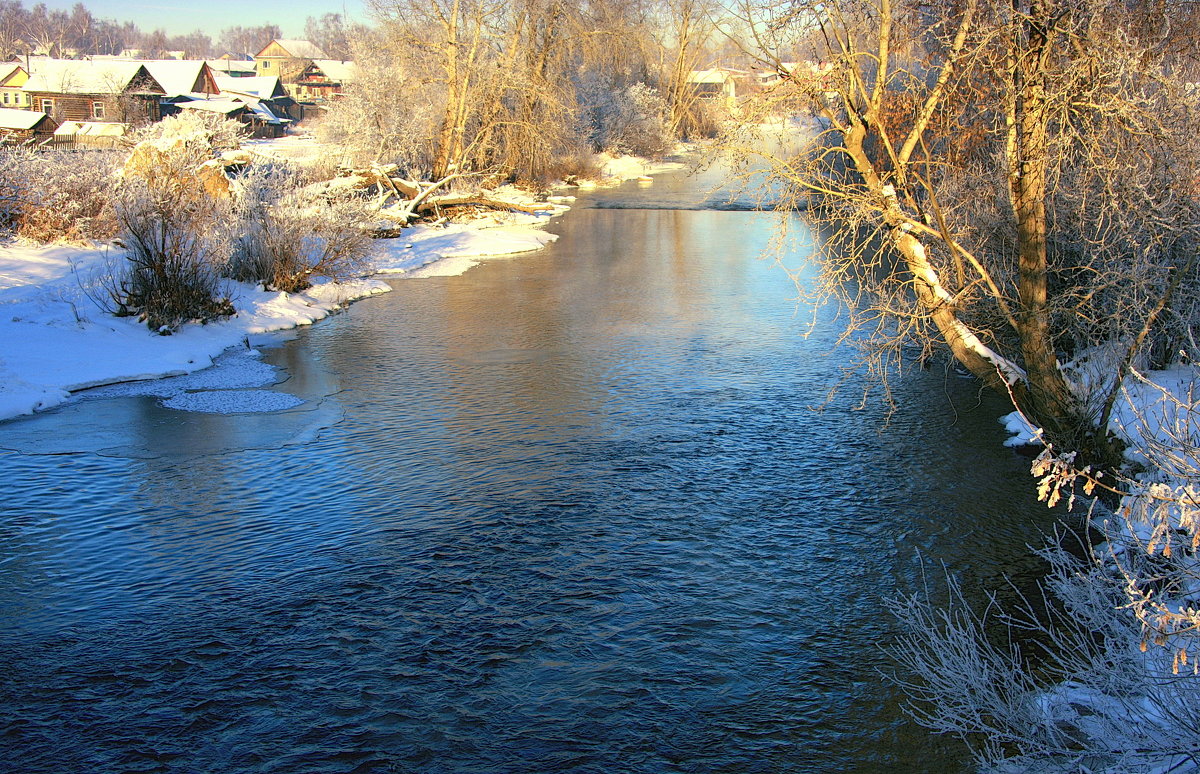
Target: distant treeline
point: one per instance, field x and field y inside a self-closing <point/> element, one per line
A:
<point x="40" y="30"/>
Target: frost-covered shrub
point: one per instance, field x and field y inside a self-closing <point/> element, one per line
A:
<point x="285" y="235"/>
<point x="49" y="195"/>
<point x="634" y="121"/>
<point x="1102" y="672"/>
<point x="174" y="250"/>
<point x="174" y="210"/>
<point x="208" y="132"/>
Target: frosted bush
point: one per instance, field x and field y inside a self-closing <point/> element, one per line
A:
<point x="208" y="132"/>
<point x="633" y="120"/>
<point x="286" y="235"/>
<point x="50" y="195"/>
<point x="175" y="213"/>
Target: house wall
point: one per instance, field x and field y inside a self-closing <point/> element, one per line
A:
<point x="287" y="68"/>
<point x="12" y="92"/>
<point x="81" y="107"/>
<point x="14" y="98"/>
<point x="317" y="90"/>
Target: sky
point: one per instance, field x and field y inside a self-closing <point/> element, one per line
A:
<point x="212" y="16"/>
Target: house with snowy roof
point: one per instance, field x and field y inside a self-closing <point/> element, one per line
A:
<point x="237" y="68"/>
<point x="20" y="126"/>
<point x="269" y="91"/>
<point x="716" y="84"/>
<point x="12" y="86"/>
<point x="87" y="90"/>
<point x="179" y="77"/>
<point x="286" y="58"/>
<point x="259" y="102"/>
<point x="323" y="80"/>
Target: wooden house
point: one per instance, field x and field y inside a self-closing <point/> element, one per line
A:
<point x="718" y="85"/>
<point x="259" y="102"/>
<point x="182" y="76"/>
<point x="286" y="58"/>
<point x="254" y="113"/>
<point x="21" y="126"/>
<point x="86" y="90"/>
<point x="323" y="80"/>
<point x="269" y="91"/>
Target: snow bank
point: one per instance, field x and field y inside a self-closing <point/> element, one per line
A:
<point x="1021" y="432"/>
<point x="55" y="337"/>
<point x="429" y="251"/>
<point x="621" y="168"/>
<point x="1157" y="407"/>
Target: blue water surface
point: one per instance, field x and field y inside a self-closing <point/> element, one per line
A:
<point x="585" y="510"/>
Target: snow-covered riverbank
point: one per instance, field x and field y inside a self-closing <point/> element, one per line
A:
<point x="57" y="336"/>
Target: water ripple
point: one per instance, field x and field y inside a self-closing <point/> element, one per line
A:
<point x="559" y="523"/>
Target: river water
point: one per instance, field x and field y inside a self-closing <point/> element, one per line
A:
<point x="581" y="510"/>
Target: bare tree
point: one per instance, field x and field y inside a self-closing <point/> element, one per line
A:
<point x="47" y="30"/>
<point x="995" y="175"/>
<point x="248" y="40"/>
<point x="687" y="28"/>
<point x="330" y="34"/>
<point x="12" y="22"/>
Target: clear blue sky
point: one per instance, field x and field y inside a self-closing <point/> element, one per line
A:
<point x="212" y="16"/>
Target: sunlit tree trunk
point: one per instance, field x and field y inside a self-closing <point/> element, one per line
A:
<point x="1051" y="403"/>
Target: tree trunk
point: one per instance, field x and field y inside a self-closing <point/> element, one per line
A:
<point x="1050" y="402"/>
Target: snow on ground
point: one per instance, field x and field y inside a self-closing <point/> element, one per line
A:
<point x="299" y="148"/>
<point x="56" y="337"/>
<point x="619" y="168"/>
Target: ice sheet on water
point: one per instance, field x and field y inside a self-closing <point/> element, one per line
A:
<point x="219" y="410"/>
<point x="232" y="401"/>
<point x="237" y="369"/>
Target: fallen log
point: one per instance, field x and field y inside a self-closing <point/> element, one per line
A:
<point x="481" y="200"/>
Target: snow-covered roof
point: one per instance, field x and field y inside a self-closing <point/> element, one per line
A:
<point x="19" y="119"/>
<point x="259" y="87"/>
<point x="7" y="69"/>
<point x="708" y="76"/>
<point x="301" y="49"/>
<point x="231" y="65"/>
<point x="336" y="70"/>
<point x="264" y="113"/>
<point x="223" y="106"/>
<point x="176" y="76"/>
<point x="90" y="128"/>
<point x="71" y="76"/>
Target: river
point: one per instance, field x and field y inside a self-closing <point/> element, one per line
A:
<point x="582" y="510"/>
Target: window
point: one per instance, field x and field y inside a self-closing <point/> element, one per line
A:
<point x="97" y="110"/>
<point x="6" y="98"/>
<point x="47" y="106"/>
<point x="266" y="65"/>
